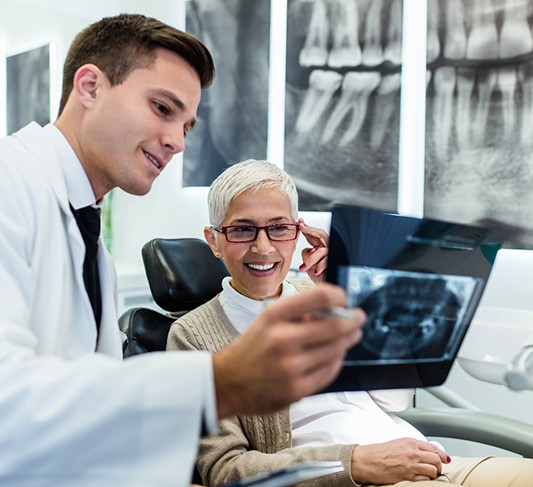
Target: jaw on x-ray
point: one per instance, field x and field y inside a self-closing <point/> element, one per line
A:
<point x="410" y="315"/>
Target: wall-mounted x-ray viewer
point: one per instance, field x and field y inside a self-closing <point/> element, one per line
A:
<point x="419" y="281"/>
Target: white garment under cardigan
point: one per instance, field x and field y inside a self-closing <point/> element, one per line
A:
<point x="334" y="418"/>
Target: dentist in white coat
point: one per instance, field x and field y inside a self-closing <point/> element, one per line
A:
<point x="72" y="412"/>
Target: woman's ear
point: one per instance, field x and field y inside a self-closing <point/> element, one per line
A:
<point x="212" y="241"/>
<point x="87" y="81"/>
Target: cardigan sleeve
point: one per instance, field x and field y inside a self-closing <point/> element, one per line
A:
<point x="229" y="455"/>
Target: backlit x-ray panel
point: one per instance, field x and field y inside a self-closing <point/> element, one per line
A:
<point x="479" y="137"/>
<point x="233" y="117"/>
<point x="419" y="281"/>
<point x="342" y="101"/>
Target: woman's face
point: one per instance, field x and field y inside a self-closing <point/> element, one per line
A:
<point x="257" y="268"/>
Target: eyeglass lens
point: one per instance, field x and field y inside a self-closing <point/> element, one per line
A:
<point x="248" y="233"/>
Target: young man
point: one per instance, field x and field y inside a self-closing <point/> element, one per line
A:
<point x="74" y="417"/>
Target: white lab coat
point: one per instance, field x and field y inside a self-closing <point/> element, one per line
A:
<point x="70" y="416"/>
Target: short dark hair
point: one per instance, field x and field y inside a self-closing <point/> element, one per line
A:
<point x="120" y="44"/>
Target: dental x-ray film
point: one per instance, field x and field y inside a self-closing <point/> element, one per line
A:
<point x="419" y="281"/>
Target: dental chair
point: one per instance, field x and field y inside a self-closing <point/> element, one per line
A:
<point x="184" y="273"/>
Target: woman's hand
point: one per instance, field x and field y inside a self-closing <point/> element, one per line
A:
<point x="397" y="460"/>
<point x="314" y="258"/>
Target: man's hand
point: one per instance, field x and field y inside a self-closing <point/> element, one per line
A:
<point x="288" y="352"/>
<point x="314" y="258"/>
<point x="397" y="460"/>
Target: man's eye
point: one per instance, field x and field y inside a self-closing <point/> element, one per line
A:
<point x="163" y="109"/>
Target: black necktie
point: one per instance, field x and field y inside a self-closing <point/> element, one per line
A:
<point x="88" y="220"/>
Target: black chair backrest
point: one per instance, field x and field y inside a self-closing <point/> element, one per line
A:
<point x="182" y="274"/>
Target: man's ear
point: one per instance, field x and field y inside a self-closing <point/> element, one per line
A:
<point x="87" y="81"/>
<point x="212" y="241"/>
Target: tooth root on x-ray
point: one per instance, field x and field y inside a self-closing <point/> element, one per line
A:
<point x="386" y="93"/>
<point x="393" y="46"/>
<point x="356" y="89"/>
<point x="455" y="37"/>
<point x="315" y="50"/>
<point x="465" y="84"/>
<point x="526" y="127"/>
<point x="345" y="50"/>
<point x="444" y="84"/>
<point x="483" y="41"/>
<point x="433" y="42"/>
<point x="322" y="86"/>
<point x="485" y="85"/>
<point x="507" y="84"/>
<point x="515" y="34"/>
<point x="373" y="51"/>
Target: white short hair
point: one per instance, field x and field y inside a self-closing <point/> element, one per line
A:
<point x="248" y="176"/>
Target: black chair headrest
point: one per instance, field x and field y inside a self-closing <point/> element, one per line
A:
<point x="182" y="273"/>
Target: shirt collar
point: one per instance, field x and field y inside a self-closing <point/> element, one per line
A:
<point x="79" y="190"/>
<point x="238" y="300"/>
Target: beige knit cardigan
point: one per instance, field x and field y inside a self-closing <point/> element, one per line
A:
<point x="246" y="445"/>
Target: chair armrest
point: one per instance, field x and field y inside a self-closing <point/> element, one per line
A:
<point x="489" y="429"/>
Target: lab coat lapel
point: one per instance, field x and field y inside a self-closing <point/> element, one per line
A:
<point x="50" y="168"/>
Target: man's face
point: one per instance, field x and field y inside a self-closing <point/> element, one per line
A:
<point x="133" y="129"/>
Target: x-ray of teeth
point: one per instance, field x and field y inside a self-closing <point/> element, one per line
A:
<point x="455" y="34"/>
<point x="479" y="137"/>
<point x="386" y="92"/>
<point x="355" y="92"/>
<point x="482" y="42"/>
<point x="515" y="33"/>
<point x="233" y="114"/>
<point x="444" y="85"/>
<point x="410" y="315"/>
<point x="433" y="41"/>
<point x="373" y="50"/>
<point x="315" y="50"/>
<point x="339" y="145"/>
<point x="393" y="41"/>
<point x="345" y="49"/>
<point x="526" y="82"/>
<point x="506" y="83"/>
<point x="322" y="86"/>
<point x="465" y="86"/>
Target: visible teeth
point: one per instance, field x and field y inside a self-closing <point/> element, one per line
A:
<point x="373" y="52"/>
<point x="433" y="42"/>
<point x="386" y="93"/>
<point x="322" y="86"/>
<point x="527" y="104"/>
<point x="455" y="40"/>
<point x="393" y="49"/>
<point x="152" y="160"/>
<point x="486" y="80"/>
<point x="315" y="51"/>
<point x="483" y="39"/>
<point x="345" y="50"/>
<point x="444" y="84"/>
<point x="465" y="85"/>
<point x="356" y="88"/>
<point x="261" y="267"/>
<point x="515" y="36"/>
<point x="507" y="81"/>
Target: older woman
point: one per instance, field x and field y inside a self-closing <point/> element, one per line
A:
<point x="253" y="209"/>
